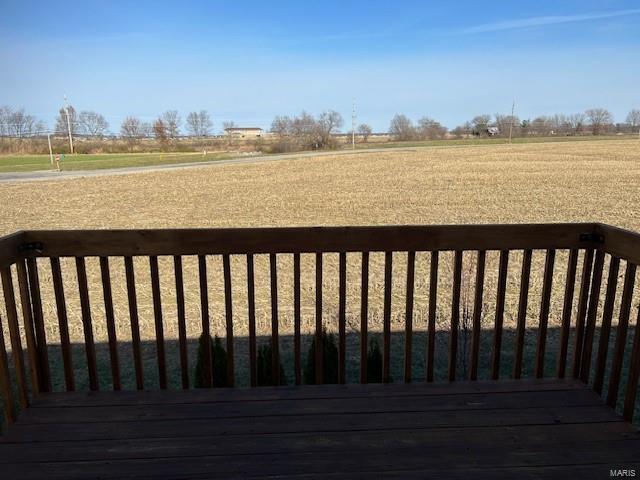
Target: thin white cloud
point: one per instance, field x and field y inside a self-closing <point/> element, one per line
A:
<point x="543" y="21"/>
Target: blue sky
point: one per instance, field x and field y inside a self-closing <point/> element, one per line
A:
<point x="248" y="61"/>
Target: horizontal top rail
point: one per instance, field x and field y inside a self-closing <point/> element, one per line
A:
<point x="619" y="242"/>
<point x="75" y="243"/>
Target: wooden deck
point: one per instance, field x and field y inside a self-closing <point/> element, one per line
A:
<point x="505" y="429"/>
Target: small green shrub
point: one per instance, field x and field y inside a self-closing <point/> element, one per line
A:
<point x="218" y="363"/>
<point x="329" y="360"/>
<point x="374" y="362"/>
<point x="265" y="372"/>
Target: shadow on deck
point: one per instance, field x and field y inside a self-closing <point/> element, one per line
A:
<point x="504" y="429"/>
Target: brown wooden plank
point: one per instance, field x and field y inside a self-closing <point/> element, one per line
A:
<point x="259" y="408"/>
<point x="6" y="393"/>
<point x="386" y="327"/>
<point x="310" y="239"/>
<point x="61" y="309"/>
<point x="111" y="322"/>
<point x="567" y="309"/>
<point x="408" y="316"/>
<point x="319" y="374"/>
<point x="547" y="286"/>
<point x="157" y="314"/>
<point x="619" y="242"/>
<point x="85" y="307"/>
<point x="477" y="315"/>
<point x="182" y="325"/>
<point x="134" y="320"/>
<point x="605" y="329"/>
<point x="431" y="327"/>
<point x="292" y="393"/>
<point x="583" y="298"/>
<point x="251" y="312"/>
<point x="38" y="323"/>
<point x="342" y="318"/>
<point x="275" y="336"/>
<point x="297" y="351"/>
<point x="27" y="321"/>
<point x="634" y="373"/>
<point x="594" y="299"/>
<point x="503" y="270"/>
<point x="364" y="316"/>
<point x="10" y="249"/>
<point x="228" y="310"/>
<point x="206" y="327"/>
<point x="455" y="315"/>
<point x="521" y="326"/>
<point x="621" y="334"/>
<point x="14" y="336"/>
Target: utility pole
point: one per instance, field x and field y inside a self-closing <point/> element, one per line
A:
<point x="66" y="109"/>
<point x="353" y="124"/>
<point x="513" y="108"/>
<point x="50" y="150"/>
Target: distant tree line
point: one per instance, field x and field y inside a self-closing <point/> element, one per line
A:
<point x="306" y="132"/>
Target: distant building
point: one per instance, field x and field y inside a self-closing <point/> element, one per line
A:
<point x="493" y="131"/>
<point x="244" y="132"/>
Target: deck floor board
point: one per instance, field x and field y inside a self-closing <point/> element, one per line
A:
<point x="503" y="429"/>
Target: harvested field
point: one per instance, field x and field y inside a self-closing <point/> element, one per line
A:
<point x="554" y="182"/>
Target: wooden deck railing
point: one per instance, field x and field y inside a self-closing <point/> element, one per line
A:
<point x="588" y="247"/>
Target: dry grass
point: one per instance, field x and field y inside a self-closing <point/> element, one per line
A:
<point x="557" y="182"/>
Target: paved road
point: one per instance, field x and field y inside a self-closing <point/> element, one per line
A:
<point x="44" y="175"/>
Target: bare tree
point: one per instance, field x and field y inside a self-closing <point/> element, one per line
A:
<point x="5" y="114"/>
<point x="428" y="128"/>
<point x="281" y="126"/>
<point x="172" y="121"/>
<point x="131" y="128"/>
<point x="364" y="131"/>
<point x="161" y="132"/>
<point x="633" y="118"/>
<point x="506" y="122"/>
<point x="481" y="124"/>
<point x="600" y="120"/>
<point x="328" y="123"/>
<point x="402" y="128"/>
<point x="576" y="122"/>
<point x="62" y="127"/>
<point x="199" y="123"/>
<point x="92" y="124"/>
<point x="228" y="124"/>
<point x="20" y="124"/>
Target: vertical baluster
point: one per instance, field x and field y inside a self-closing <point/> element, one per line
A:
<point x="5" y="382"/>
<point x="157" y="314"/>
<point x="386" y="349"/>
<point x="594" y="298"/>
<point x="503" y="269"/>
<point x="135" y="324"/>
<point x="14" y="336"/>
<point x="275" y="337"/>
<point x="61" y="307"/>
<point x="251" y="306"/>
<point x="182" y="326"/>
<point x="455" y="315"/>
<point x="318" y="347"/>
<point x="567" y="309"/>
<point x="431" y="327"/>
<point x="621" y="335"/>
<point x="634" y="373"/>
<point x="342" y="317"/>
<point x="27" y="318"/>
<point x="605" y="331"/>
<point x="87" y="327"/>
<point x="477" y="315"/>
<point x="521" y="327"/>
<point x="38" y="323"/>
<point x="364" y="314"/>
<point x="206" y="328"/>
<point x="111" y="323"/>
<point x="408" y="316"/>
<point x="228" y="310"/>
<point x="296" y="319"/>
<point x="582" y="310"/>
<point x="547" y="286"/>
